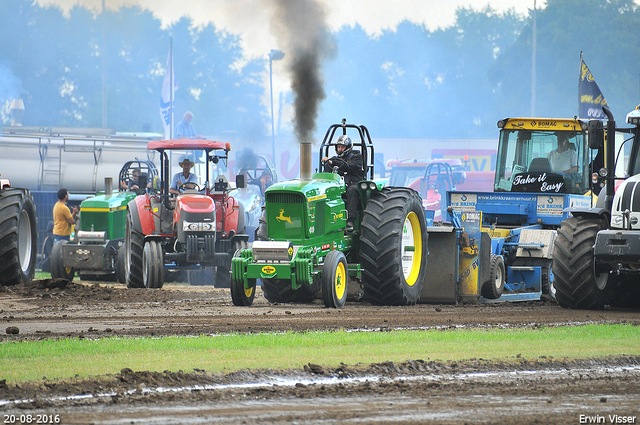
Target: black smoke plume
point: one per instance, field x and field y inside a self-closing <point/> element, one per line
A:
<point x="299" y="26"/>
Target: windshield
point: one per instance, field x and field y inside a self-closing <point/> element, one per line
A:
<point x="631" y="153"/>
<point x="557" y="159"/>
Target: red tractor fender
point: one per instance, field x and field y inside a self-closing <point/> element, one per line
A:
<point x="228" y="215"/>
<point x="141" y="214"/>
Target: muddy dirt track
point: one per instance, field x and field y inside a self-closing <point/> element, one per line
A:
<point x="418" y="391"/>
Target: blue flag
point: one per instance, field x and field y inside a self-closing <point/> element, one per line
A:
<point x="590" y="96"/>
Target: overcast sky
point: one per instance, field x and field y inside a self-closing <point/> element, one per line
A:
<point x="246" y="17"/>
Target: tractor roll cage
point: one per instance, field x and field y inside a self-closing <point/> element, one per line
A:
<point x="162" y="146"/>
<point x="365" y="145"/>
<point x="144" y="165"/>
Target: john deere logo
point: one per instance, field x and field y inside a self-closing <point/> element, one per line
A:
<point x="282" y="217"/>
<point x="268" y="270"/>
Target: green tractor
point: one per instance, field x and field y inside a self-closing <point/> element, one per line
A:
<point x="94" y="253"/>
<point x="303" y="248"/>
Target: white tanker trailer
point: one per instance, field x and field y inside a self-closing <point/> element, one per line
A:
<point x="79" y="159"/>
<point x="44" y="160"/>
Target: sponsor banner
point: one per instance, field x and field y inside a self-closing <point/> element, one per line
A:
<point x="550" y="205"/>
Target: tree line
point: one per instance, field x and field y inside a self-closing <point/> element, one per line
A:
<point x="455" y="82"/>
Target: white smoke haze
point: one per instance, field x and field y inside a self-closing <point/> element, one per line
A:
<point x="253" y="22"/>
<point x="249" y="18"/>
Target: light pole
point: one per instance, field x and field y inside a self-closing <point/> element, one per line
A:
<point x="274" y="55"/>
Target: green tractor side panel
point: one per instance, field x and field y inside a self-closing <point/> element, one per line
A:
<point x="106" y="213"/>
<point x="304" y="212"/>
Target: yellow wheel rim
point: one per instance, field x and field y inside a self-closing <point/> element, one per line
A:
<point x="248" y="291"/>
<point x="340" y="281"/>
<point x="411" y="248"/>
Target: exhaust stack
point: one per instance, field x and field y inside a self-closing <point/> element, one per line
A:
<point x="108" y="185"/>
<point x="305" y="161"/>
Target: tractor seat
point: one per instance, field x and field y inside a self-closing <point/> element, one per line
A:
<point x="540" y="165"/>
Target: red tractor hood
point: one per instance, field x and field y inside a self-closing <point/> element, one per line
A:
<point x="195" y="203"/>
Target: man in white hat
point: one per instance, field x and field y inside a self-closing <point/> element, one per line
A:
<point x="185" y="177"/>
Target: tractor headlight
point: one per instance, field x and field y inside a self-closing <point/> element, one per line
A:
<point x="368" y="185"/>
<point x="188" y="226"/>
<point x="616" y="221"/>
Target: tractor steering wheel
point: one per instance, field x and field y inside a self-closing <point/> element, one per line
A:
<point x="338" y="165"/>
<point x="184" y="185"/>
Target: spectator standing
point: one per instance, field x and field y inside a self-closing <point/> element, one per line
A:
<point x="63" y="218"/>
<point x="184" y="129"/>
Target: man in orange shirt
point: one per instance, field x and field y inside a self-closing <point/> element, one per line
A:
<point x="63" y="218"/>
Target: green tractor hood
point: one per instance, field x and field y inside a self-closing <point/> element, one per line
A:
<point x="106" y="213"/>
<point x="301" y="211"/>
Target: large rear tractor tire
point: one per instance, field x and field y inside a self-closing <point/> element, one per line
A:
<point x="18" y="236"/>
<point x="152" y="265"/>
<point x="134" y="244"/>
<point x="575" y="280"/>
<point x="334" y="280"/>
<point x="58" y="270"/>
<point x="494" y="287"/>
<point x="393" y="247"/>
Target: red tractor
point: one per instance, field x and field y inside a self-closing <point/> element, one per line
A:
<point x="200" y="227"/>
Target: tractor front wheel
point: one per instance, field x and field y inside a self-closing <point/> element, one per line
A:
<point x="393" y="247"/>
<point x="223" y="273"/>
<point x="58" y="270"/>
<point x="494" y="287"/>
<point x="241" y="296"/>
<point x="334" y="280"/>
<point x="152" y="265"/>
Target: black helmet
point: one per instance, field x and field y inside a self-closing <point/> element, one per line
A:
<point x="346" y="141"/>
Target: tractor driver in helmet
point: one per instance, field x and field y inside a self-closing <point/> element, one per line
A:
<point x="347" y="163"/>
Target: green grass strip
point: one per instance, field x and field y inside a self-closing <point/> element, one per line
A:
<point x="33" y="360"/>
